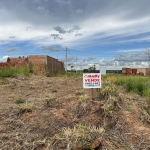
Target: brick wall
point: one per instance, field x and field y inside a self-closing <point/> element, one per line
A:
<point x="3" y="65"/>
<point x="53" y="65"/>
<point x="41" y="63"/>
<point x="37" y="59"/>
<point x="136" y="71"/>
<point x="14" y="62"/>
<point x="148" y="71"/>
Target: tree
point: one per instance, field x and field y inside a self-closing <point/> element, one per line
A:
<point x="85" y="70"/>
<point x="92" y="69"/>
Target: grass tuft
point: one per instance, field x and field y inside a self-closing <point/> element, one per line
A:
<point x="80" y="134"/>
<point x="108" y="90"/>
<point x="54" y="91"/>
<point x="19" y="101"/>
<point x="26" y="108"/>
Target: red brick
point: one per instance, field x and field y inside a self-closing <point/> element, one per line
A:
<point x="44" y="63"/>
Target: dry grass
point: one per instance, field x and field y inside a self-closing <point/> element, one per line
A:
<point x="80" y="134"/>
<point x="72" y="120"/>
<point x="111" y="79"/>
<point x="83" y="98"/>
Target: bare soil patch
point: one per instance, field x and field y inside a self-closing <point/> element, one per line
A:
<point x="58" y="114"/>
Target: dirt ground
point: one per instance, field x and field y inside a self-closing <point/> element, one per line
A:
<point x="58" y="114"/>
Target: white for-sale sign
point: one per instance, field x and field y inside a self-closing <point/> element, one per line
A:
<point x="91" y="80"/>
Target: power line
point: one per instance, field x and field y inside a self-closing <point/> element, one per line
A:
<point x="149" y="59"/>
<point x="66" y="58"/>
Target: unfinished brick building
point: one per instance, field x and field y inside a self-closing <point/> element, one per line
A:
<point x="136" y="71"/>
<point x="43" y="63"/>
<point x="14" y="62"/>
<point x="46" y="64"/>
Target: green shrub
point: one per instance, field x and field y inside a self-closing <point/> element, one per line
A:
<point x="25" y="71"/>
<point x="121" y="80"/>
<point x="33" y="68"/>
<point x="146" y="93"/>
<point x="137" y="84"/>
<point x="133" y="84"/>
<point x="54" y="91"/>
<point x="19" y="101"/>
<point x="8" y="72"/>
<point x="12" y="72"/>
<point x="108" y="90"/>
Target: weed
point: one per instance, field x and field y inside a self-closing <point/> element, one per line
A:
<point x="32" y="68"/>
<point x="110" y="106"/>
<point x="79" y="92"/>
<point x="112" y="79"/>
<point x="25" y="71"/>
<point x="147" y="84"/>
<point x="8" y="72"/>
<point x="133" y="85"/>
<point x="26" y="108"/>
<point x="107" y="91"/>
<point x="49" y="98"/>
<point x="140" y="85"/>
<point x="54" y="91"/>
<point x="19" y="101"/>
<point x="80" y="134"/>
<point x="146" y="93"/>
<point x="84" y="98"/>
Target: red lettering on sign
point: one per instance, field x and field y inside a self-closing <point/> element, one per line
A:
<point x="93" y="76"/>
<point x="92" y="80"/>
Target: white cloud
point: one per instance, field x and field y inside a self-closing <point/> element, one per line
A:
<point x="112" y="27"/>
<point x="4" y="58"/>
<point x="133" y="56"/>
<point x="121" y="64"/>
<point x="132" y="50"/>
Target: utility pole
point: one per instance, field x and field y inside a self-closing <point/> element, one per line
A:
<point x="66" y="58"/>
<point x="76" y="64"/>
<point x="81" y="67"/>
<point x="148" y="51"/>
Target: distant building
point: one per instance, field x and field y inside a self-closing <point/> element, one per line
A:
<point x="43" y="63"/>
<point x="136" y="71"/>
<point x="103" y="71"/>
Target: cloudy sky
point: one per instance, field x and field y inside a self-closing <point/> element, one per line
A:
<point x="107" y="32"/>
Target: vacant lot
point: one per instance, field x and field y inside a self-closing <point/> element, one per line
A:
<point x="56" y="113"/>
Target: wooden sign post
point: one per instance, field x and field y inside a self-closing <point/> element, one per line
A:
<point x="93" y="97"/>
